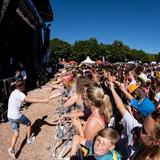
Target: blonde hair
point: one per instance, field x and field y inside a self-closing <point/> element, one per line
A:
<point x="110" y="134"/>
<point x="133" y="73"/>
<point x="100" y="100"/>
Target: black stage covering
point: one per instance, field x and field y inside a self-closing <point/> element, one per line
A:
<point x="22" y="23"/>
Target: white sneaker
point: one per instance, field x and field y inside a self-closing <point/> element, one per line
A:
<point x="31" y="139"/>
<point x="11" y="153"/>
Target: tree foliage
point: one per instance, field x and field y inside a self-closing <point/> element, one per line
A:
<point x="115" y="52"/>
<point x="157" y="57"/>
<point x="60" y="49"/>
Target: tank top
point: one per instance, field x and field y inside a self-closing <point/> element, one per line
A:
<point x="98" y="118"/>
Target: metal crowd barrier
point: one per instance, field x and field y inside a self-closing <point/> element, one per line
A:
<point x="5" y="90"/>
<point x="63" y="135"/>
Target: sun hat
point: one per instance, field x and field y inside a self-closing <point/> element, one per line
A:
<point x="144" y="78"/>
<point x="132" y="88"/>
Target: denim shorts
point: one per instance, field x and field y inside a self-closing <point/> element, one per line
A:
<point x="22" y="120"/>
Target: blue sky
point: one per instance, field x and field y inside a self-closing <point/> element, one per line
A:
<point x="134" y="22"/>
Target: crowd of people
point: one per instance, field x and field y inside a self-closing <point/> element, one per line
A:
<point x="116" y="110"/>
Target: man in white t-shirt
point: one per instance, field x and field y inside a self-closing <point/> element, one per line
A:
<point x="15" y="117"/>
<point x="126" y="144"/>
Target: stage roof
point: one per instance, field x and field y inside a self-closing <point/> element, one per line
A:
<point x="44" y="8"/>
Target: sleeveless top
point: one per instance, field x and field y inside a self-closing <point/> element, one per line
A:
<point x="98" y="118"/>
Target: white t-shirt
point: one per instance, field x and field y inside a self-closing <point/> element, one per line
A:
<point x="126" y="145"/>
<point x="15" y="102"/>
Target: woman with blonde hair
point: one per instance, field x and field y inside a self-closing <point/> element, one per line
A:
<point x="101" y="112"/>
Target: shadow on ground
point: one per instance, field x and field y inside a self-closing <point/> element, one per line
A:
<point x="36" y="127"/>
<point x="21" y="147"/>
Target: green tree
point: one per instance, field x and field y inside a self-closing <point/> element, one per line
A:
<point x="115" y="52"/>
<point x="138" y="55"/>
<point x="82" y="49"/>
<point x="60" y="49"/>
<point x="157" y="57"/>
<point x="118" y="52"/>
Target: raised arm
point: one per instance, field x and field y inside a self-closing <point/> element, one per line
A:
<point x="118" y="101"/>
<point x="127" y="94"/>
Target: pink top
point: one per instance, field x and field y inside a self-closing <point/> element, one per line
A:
<point x="98" y="118"/>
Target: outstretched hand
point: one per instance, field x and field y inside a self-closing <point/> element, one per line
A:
<point x="121" y="85"/>
<point x="76" y="122"/>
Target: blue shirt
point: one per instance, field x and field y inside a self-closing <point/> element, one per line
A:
<point x="108" y="156"/>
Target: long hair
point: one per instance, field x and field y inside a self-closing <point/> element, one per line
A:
<point x="149" y="153"/>
<point x="100" y="100"/>
<point x="152" y="151"/>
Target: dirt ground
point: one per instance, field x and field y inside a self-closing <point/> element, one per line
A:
<point x="42" y="117"/>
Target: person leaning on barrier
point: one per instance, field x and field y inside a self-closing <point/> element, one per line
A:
<point x="101" y="148"/>
<point x="68" y="86"/>
<point x="101" y="112"/>
<point x="15" y="117"/>
<point x="76" y="99"/>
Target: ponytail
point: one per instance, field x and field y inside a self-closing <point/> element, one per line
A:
<point x="101" y="101"/>
<point x="106" y="109"/>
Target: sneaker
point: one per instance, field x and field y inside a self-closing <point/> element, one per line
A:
<point x="31" y="139"/>
<point x="11" y="153"/>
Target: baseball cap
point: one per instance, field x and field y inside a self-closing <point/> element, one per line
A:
<point x="144" y="107"/>
<point x="143" y="77"/>
<point x="132" y="88"/>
